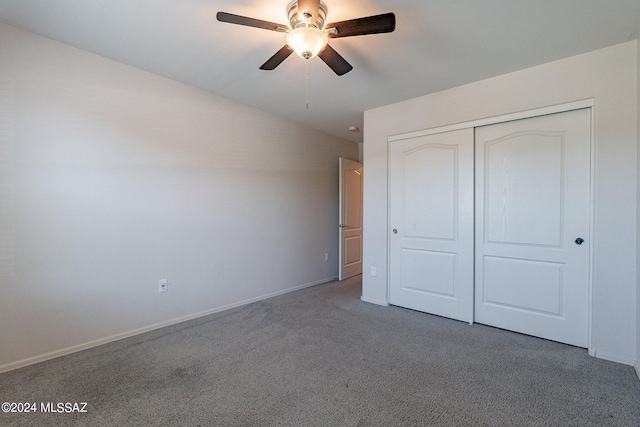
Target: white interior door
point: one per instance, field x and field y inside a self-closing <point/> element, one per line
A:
<point x="431" y="224"/>
<point x="350" y="252"/>
<point x="532" y="226"/>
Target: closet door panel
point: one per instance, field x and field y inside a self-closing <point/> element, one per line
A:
<point x="532" y="226"/>
<point x="431" y="224"/>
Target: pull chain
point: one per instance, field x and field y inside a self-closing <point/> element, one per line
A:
<point x="307" y="84"/>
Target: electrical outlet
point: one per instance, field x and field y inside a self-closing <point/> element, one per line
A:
<point x="163" y="285"/>
<point x="326" y="257"/>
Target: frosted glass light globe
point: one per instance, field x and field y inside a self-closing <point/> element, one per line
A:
<point x="307" y="42"/>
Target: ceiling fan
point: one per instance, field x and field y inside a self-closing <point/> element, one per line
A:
<point x="307" y="34"/>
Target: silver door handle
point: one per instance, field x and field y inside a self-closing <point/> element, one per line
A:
<point x="343" y="226"/>
<point x="395" y="231"/>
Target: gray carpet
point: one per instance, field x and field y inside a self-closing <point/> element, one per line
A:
<point x="321" y="357"/>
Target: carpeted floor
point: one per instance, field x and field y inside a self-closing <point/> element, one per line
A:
<point x="321" y="357"/>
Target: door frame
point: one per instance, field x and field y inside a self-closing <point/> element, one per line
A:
<point x="527" y="114"/>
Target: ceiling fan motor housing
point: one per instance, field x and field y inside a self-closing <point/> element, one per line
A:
<point x="304" y="20"/>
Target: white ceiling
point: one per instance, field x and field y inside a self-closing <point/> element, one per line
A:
<point x="438" y="44"/>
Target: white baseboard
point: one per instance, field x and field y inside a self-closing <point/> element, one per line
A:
<point x="374" y="301"/>
<point x="101" y="341"/>
<point x="612" y="357"/>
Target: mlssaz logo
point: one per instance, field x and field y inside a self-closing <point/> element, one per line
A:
<point x="63" y="408"/>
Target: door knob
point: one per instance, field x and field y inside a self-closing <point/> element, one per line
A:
<point x="395" y="231"/>
<point x="579" y="241"/>
<point x="343" y="225"/>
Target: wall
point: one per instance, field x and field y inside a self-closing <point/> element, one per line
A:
<point x="112" y="178"/>
<point x="608" y="77"/>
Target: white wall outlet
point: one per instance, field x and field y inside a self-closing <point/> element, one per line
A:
<point x="373" y="271"/>
<point x="326" y="257"/>
<point x="163" y="285"/>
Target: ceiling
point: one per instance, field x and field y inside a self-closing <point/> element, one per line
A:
<point x="438" y="44"/>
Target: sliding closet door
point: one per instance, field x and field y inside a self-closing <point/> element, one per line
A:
<point x="431" y="224"/>
<point x="532" y="226"/>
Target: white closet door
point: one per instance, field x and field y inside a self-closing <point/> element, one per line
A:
<point x="532" y="226"/>
<point x="431" y="224"/>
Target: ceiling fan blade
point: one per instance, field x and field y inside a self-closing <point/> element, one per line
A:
<point x="377" y="24"/>
<point x="250" y="22"/>
<point x="277" y="59"/>
<point x="336" y="62"/>
<point x="310" y="7"/>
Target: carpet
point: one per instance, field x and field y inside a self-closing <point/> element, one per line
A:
<point x="322" y="357"/>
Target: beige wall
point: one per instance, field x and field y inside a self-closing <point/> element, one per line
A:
<point x="112" y="178"/>
<point x="609" y="78"/>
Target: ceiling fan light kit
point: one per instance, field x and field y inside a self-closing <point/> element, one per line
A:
<point x="307" y="42"/>
<point x="306" y="38"/>
<point x="308" y="35"/>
